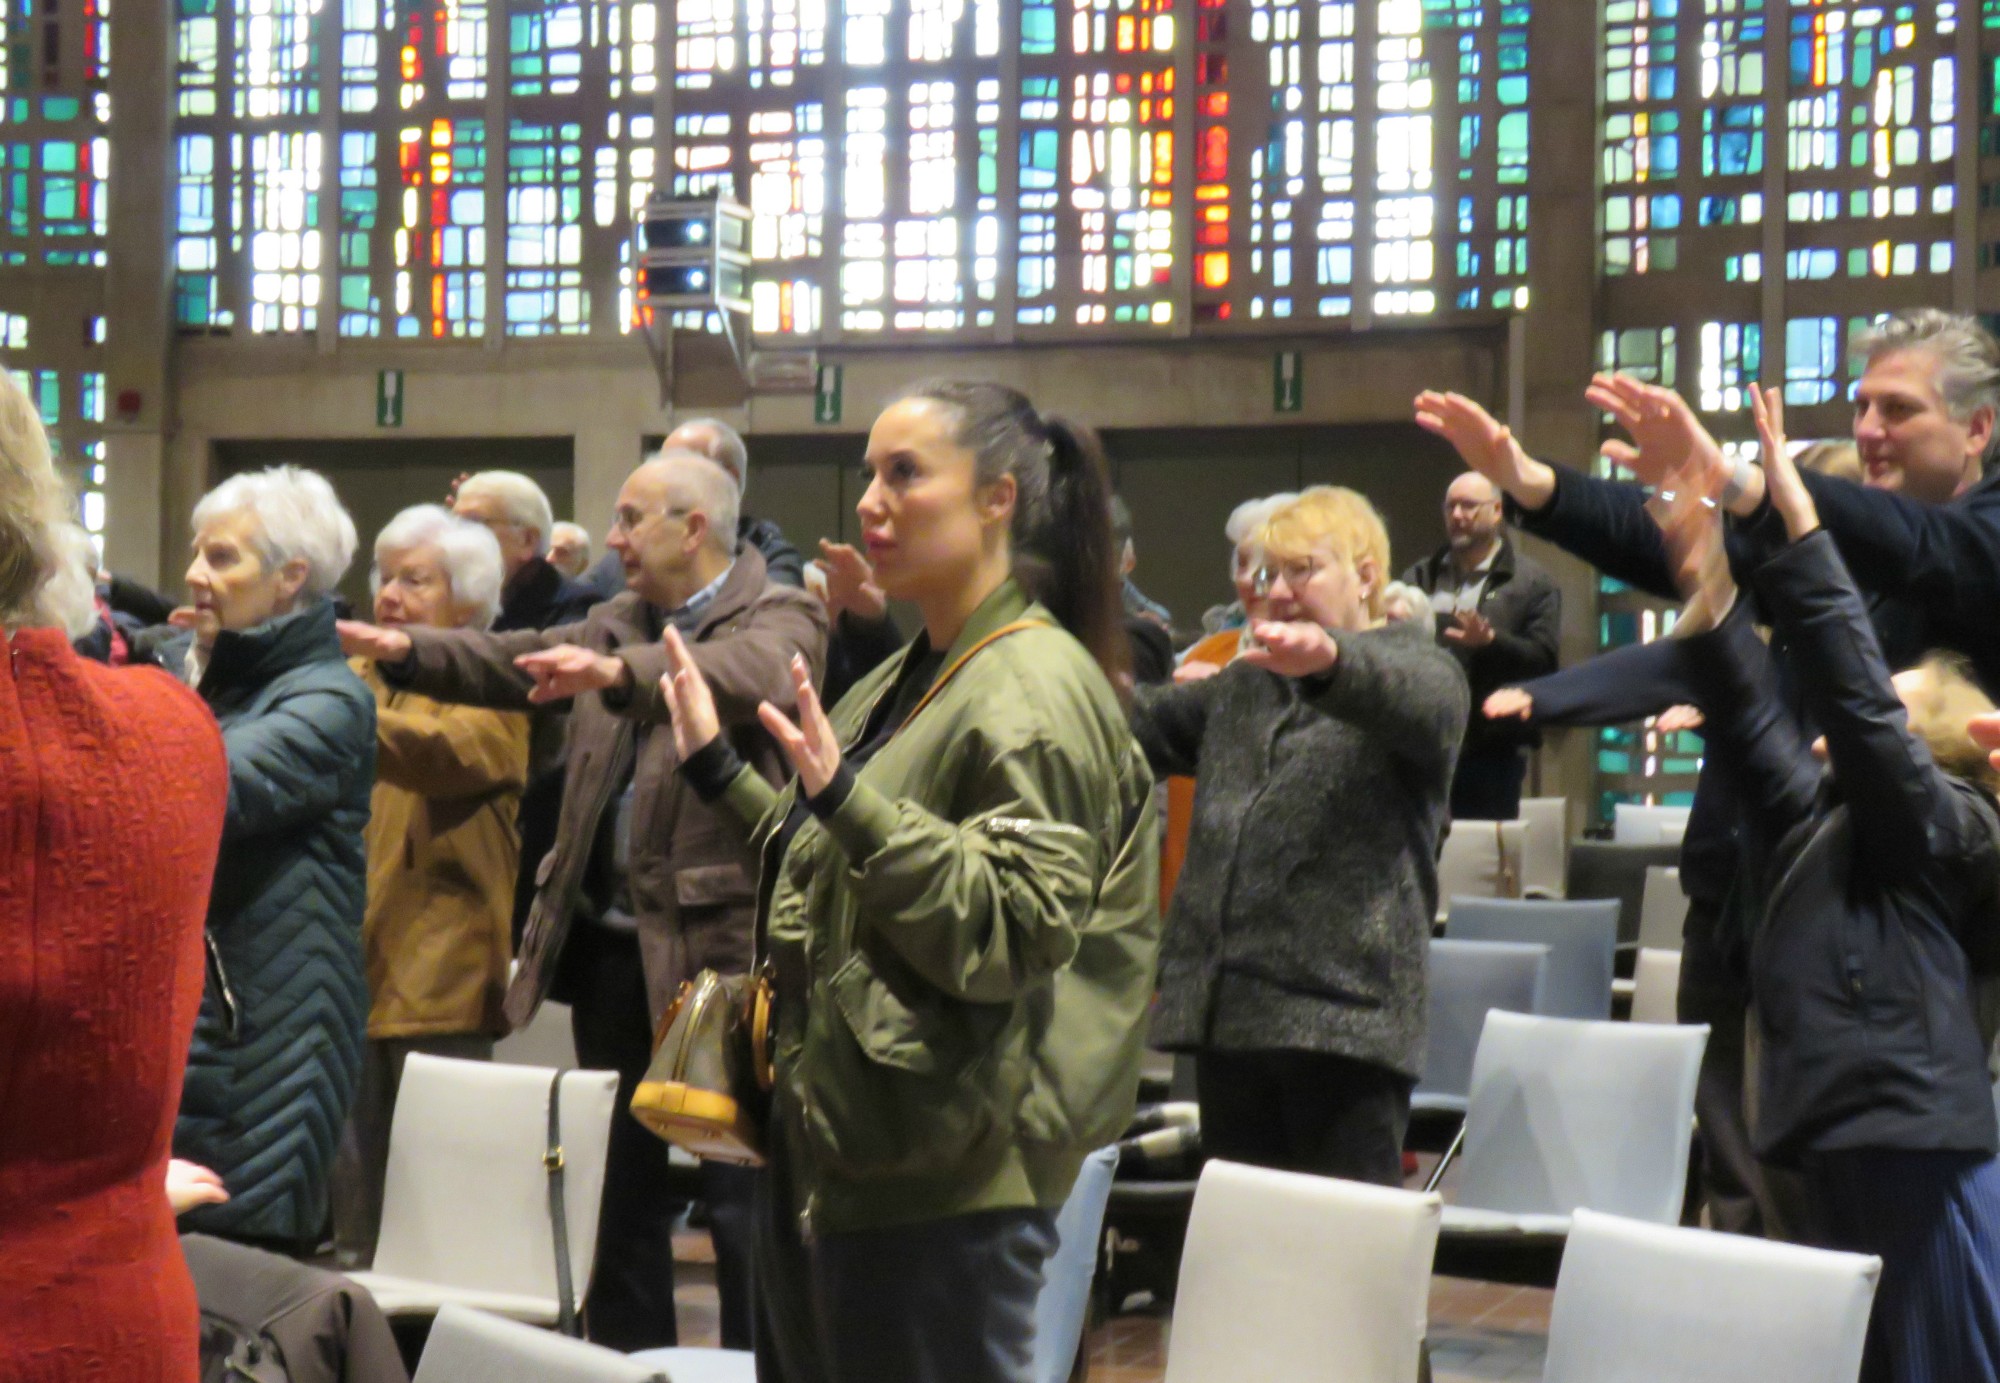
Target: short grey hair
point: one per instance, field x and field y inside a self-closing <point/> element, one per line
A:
<point x="725" y="447"/>
<point x="1249" y="516"/>
<point x="1416" y="604"/>
<point x="46" y="563"/>
<point x="563" y="528"/>
<point x="1967" y="355"/>
<point x="468" y="551"/>
<point x="297" y="517"/>
<point x="698" y="484"/>
<point x="525" y="503"/>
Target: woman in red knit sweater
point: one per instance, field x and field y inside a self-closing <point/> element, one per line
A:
<point x="112" y="788"/>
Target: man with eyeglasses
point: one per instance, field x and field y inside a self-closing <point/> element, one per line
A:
<point x="1500" y="613"/>
<point x="643" y="886"/>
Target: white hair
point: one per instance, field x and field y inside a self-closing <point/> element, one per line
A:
<point x="566" y="529"/>
<point x="1249" y="516"/>
<point x="297" y="517"/>
<point x="46" y="563"/>
<point x="469" y="552"/>
<point x="724" y="447"/>
<point x="520" y="499"/>
<point x="1416" y="604"/>
<point x="702" y="486"/>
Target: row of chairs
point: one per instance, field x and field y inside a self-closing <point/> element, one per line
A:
<point x="1286" y="1273"/>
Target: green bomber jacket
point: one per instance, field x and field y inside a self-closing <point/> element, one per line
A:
<point x="965" y="950"/>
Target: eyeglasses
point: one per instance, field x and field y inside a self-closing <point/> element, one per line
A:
<point x="627" y="520"/>
<point x="1295" y="575"/>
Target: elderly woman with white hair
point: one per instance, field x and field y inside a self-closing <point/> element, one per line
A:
<point x="277" y="1048"/>
<point x="112" y="785"/>
<point x="443" y="850"/>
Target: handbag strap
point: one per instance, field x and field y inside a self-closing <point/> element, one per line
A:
<point x="552" y="1163"/>
<point x="998" y="634"/>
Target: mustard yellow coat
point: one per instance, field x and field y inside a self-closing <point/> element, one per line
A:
<point x="443" y="854"/>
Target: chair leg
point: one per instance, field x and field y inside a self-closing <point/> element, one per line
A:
<point x="1437" y="1173"/>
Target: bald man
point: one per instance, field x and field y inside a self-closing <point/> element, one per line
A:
<point x="1501" y="613"/>
<point x="644" y="884"/>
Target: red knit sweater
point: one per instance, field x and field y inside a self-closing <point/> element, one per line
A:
<point x="112" y="789"/>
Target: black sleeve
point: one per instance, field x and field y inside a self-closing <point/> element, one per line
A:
<point x="1606" y="524"/>
<point x="1625" y="684"/>
<point x="1152" y="651"/>
<point x="144" y="604"/>
<point x="857" y="647"/>
<point x="1904" y="808"/>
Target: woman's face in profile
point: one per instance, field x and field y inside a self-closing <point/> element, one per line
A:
<point x="228" y="583"/>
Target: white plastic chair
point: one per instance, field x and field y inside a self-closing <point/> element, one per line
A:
<point x="546" y="1041"/>
<point x="467" y="1346"/>
<point x="1468" y="978"/>
<point x="1481" y="859"/>
<point x="1288" y="1278"/>
<point x="1581" y="934"/>
<point x="465" y="1208"/>
<point x="1663" y="909"/>
<point x="1063" y="1307"/>
<point x="1656" y="987"/>
<point x="1641" y="1303"/>
<point x="1633" y="823"/>
<point x="693" y="1364"/>
<point x="1545" y="856"/>
<point x="1569" y="1115"/>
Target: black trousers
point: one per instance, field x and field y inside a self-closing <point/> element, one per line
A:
<point x="1304" y="1112"/>
<point x="630" y="1305"/>
<point x="1487" y="785"/>
<point x="939" y="1301"/>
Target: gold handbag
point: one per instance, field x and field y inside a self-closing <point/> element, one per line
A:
<point x="706" y="1087"/>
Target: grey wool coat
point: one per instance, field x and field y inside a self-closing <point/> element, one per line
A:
<point x="1302" y="918"/>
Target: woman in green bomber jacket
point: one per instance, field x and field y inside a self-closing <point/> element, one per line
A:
<point x="961" y="896"/>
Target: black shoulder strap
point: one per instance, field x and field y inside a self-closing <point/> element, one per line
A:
<point x="552" y="1162"/>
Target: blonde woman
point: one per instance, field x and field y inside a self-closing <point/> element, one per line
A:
<point x="1293" y="966"/>
<point x="112" y="785"/>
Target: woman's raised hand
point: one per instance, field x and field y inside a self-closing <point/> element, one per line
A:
<point x="810" y="743"/>
<point x="1787" y="493"/>
<point x="360" y="640"/>
<point x="689" y="700"/>
<point x="1292" y="648"/>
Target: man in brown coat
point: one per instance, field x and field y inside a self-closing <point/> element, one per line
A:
<point x="644" y="885"/>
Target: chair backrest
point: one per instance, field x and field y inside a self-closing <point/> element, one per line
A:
<point x="1481" y="859"/>
<point x="1545" y="857"/>
<point x="468" y="1346"/>
<point x="1634" y="824"/>
<point x="1567" y="1115"/>
<point x="1063" y="1307"/>
<point x="466" y="1200"/>
<point x="1607" y="869"/>
<point x="1467" y="978"/>
<point x="546" y="1041"/>
<point x="1663" y="908"/>
<point x="1641" y="1303"/>
<point x="1656" y="986"/>
<point x="1582" y="937"/>
<point x="1286" y="1273"/>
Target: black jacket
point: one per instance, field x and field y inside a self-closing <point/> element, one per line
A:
<point x="1524" y="605"/>
<point x="539" y="596"/>
<point x="1878" y="873"/>
<point x="1302" y="918"/>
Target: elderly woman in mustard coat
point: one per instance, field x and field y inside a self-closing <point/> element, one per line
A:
<point x="443" y="852"/>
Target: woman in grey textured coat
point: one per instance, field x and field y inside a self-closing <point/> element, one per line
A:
<point x="1293" y="966"/>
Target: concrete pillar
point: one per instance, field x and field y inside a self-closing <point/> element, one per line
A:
<point x="1560" y="343"/>
<point x="604" y="456"/>
<point x="138" y="288"/>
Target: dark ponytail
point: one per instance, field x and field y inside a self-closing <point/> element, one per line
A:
<point x="1069" y="560"/>
<point x="1063" y="550"/>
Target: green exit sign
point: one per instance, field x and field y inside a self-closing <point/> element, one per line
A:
<point x="826" y="395"/>
<point x="1288" y="389"/>
<point x="389" y="398"/>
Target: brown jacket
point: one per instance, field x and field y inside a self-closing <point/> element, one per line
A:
<point x="692" y="878"/>
<point x="443" y="853"/>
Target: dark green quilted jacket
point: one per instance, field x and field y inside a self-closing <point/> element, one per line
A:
<point x="267" y="1095"/>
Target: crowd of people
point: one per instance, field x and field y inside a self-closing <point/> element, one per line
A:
<point x="282" y="849"/>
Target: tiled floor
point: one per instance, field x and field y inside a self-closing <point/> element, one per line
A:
<point x="1480" y="1332"/>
